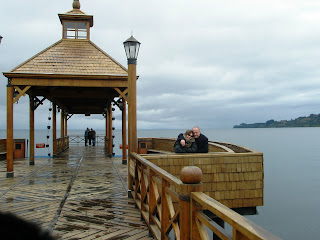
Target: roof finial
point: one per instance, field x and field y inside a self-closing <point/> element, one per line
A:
<point x="76" y="4"/>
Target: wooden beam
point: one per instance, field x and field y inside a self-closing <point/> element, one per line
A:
<point x="68" y="82"/>
<point x="64" y="76"/>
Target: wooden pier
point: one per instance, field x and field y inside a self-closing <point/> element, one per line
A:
<point x="82" y="194"/>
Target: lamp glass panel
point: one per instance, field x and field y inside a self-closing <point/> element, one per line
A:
<point x="132" y="50"/>
<point x="126" y="48"/>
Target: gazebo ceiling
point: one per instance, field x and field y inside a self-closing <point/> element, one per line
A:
<point x="78" y="100"/>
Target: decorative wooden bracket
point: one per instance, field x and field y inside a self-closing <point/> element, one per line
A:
<point x="69" y="116"/>
<point x="38" y="102"/>
<point x="21" y="93"/>
<point x="119" y="103"/>
<point x="122" y="94"/>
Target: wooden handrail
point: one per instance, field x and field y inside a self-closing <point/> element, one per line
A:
<point x="167" y="203"/>
<point x="242" y="227"/>
<point x="164" y="174"/>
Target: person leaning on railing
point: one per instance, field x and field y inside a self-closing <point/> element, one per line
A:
<point x="189" y="145"/>
<point x="201" y="140"/>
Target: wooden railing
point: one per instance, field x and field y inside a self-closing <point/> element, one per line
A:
<point x="168" y="205"/>
<point x="242" y="228"/>
<point x="62" y="144"/>
<point x="3" y="149"/>
<point x="76" y="140"/>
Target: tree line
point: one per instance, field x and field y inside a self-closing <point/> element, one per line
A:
<point x="313" y="120"/>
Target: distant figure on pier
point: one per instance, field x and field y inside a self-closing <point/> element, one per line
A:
<point x="15" y="228"/>
<point x="189" y="143"/>
<point x="90" y="136"/>
<point x="86" y="135"/>
<point x="201" y="140"/>
<point x="93" y="137"/>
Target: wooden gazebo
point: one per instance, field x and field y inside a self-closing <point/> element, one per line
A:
<point x="76" y="76"/>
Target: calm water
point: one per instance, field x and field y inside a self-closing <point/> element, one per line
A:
<point x="291" y="170"/>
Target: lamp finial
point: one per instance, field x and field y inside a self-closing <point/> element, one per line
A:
<point x="76" y="4"/>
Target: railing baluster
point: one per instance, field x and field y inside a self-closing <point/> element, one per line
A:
<point x="143" y="188"/>
<point x="152" y="201"/>
<point x="164" y="208"/>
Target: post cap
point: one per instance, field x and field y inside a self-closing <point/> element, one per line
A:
<point x="191" y="175"/>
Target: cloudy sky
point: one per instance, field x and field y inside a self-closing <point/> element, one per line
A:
<point x="209" y="63"/>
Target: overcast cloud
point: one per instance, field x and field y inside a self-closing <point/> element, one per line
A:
<point x="207" y="62"/>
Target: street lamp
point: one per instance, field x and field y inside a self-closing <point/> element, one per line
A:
<point x="131" y="47"/>
<point x="0" y="39"/>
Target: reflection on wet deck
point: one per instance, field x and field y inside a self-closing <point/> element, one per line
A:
<point x="78" y="195"/>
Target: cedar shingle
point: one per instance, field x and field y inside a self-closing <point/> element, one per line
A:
<point x="78" y="57"/>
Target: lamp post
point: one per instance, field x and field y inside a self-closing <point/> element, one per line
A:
<point x="131" y="47"/>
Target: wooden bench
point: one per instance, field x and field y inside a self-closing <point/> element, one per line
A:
<point x="3" y="148"/>
<point x="3" y="155"/>
<point x="156" y="151"/>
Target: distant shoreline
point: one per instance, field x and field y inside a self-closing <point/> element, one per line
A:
<point x="313" y="120"/>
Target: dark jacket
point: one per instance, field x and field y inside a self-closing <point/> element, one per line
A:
<point x="179" y="149"/>
<point x="202" y="143"/>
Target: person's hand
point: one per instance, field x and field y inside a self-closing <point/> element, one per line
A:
<point x="183" y="142"/>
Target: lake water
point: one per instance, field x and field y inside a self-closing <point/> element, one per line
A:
<point x="291" y="172"/>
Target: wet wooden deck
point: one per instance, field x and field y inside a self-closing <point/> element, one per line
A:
<point x="79" y="195"/>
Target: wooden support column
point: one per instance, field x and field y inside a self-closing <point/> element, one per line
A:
<point x="54" y="129"/>
<point x="110" y="147"/>
<point x="130" y="178"/>
<point x="62" y="128"/>
<point x="106" y="142"/>
<point x="62" y="124"/>
<point x="10" y="172"/>
<point x="132" y="83"/>
<point x="132" y="116"/>
<point x="124" y="132"/>
<point x="65" y="124"/>
<point x="31" y="130"/>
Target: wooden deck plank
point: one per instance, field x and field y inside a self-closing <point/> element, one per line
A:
<point x="78" y="195"/>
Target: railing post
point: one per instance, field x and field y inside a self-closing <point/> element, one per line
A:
<point x="191" y="177"/>
<point x="238" y="235"/>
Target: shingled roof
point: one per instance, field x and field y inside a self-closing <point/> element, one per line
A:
<point x="76" y="57"/>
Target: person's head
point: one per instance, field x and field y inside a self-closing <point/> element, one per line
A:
<point x="196" y="132"/>
<point x="189" y="134"/>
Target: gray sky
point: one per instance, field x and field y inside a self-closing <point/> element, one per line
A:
<point x="208" y="63"/>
